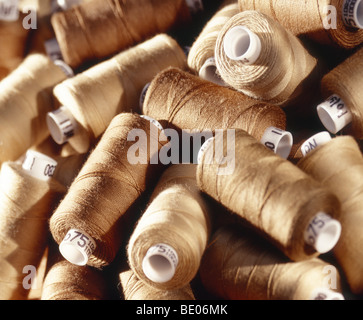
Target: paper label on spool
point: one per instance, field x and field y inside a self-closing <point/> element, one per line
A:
<point x="315" y="141"/>
<point x="9" y="10"/>
<point x="61" y="124"/>
<point x="353" y="13"/>
<point x="39" y="165"/>
<point x="278" y="140"/>
<point x="77" y="246"/>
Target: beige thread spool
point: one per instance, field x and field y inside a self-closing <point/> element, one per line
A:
<point x="257" y="56"/>
<point x="135" y="289"/>
<point x="89" y="222"/>
<point x="307" y="18"/>
<point x="337" y="163"/>
<point x="91" y="99"/>
<point x="278" y="199"/>
<point x="201" y="55"/>
<point x="342" y="88"/>
<point x="26" y="97"/>
<point x="239" y="265"/>
<point x="168" y="241"/>
<point x="96" y="30"/>
<point x="27" y="197"/>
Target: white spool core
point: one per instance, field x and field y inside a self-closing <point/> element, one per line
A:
<point x="353" y="13"/>
<point x="323" y="232"/>
<point x="39" y="165"/>
<point x="242" y="44"/>
<point x="208" y="71"/>
<point x="315" y="141"/>
<point x="77" y="247"/>
<point x="159" y="263"/>
<point x="326" y="294"/>
<point x="279" y="141"/>
<point x="61" y="124"/>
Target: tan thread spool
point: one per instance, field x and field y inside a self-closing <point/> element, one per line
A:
<point x="27" y="203"/>
<point x="338" y="165"/>
<point x="168" y="241"/>
<point x="95" y="30"/>
<point x="26" y="97"/>
<point x="180" y="100"/>
<point x="135" y="289"/>
<point x="306" y="18"/>
<point x="99" y="201"/>
<point x="95" y="96"/>
<point x="201" y="55"/>
<point x="239" y="265"/>
<point x="342" y="87"/>
<point x="270" y="193"/>
<point x="66" y="281"/>
<point x="257" y="56"/>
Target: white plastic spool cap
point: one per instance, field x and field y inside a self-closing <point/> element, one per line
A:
<point x="61" y="124"/>
<point x="240" y="43"/>
<point x="153" y="121"/>
<point x="334" y="114"/>
<point x="77" y="247"/>
<point x="64" y="67"/>
<point x="353" y="13"/>
<point x="208" y="71"/>
<point x="279" y="141"/>
<point x="315" y="141"/>
<point x="39" y="165"/>
<point x="326" y="294"/>
<point x="66" y="4"/>
<point x="323" y="232"/>
<point x="159" y="263"/>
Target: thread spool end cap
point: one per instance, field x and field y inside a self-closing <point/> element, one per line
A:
<point x="61" y="125"/>
<point x="326" y="294"/>
<point x="208" y="71"/>
<point x="353" y="13"/>
<point x="279" y="141"/>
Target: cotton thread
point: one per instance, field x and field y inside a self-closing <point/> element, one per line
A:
<point x="95" y="30"/>
<point x="26" y="97"/>
<point x="278" y="70"/>
<point x="239" y="265"/>
<point x="26" y="204"/>
<point x="310" y="19"/>
<point x="338" y="165"/>
<point x="98" y="94"/>
<point x="270" y="193"/>
<point x="180" y="100"/>
<point x="99" y="201"/>
<point x="178" y="218"/>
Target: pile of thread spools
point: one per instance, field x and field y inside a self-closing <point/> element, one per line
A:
<point x="181" y="150"/>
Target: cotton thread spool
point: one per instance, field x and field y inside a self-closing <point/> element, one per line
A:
<point x="239" y="265"/>
<point x="257" y="56"/>
<point x="312" y="19"/>
<point x="338" y="165"/>
<point x="201" y="55"/>
<point x="66" y="281"/>
<point x="264" y="185"/>
<point x="180" y="100"/>
<point x="344" y="98"/>
<point x="88" y="224"/>
<point x="169" y="239"/>
<point x="26" y="199"/>
<point x="95" y="30"/>
<point x="91" y="99"/>
<point x="26" y="97"/>
<point x="135" y="289"/>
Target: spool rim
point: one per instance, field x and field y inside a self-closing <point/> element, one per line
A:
<point x="57" y="123"/>
<point x="208" y="71"/>
<point x="73" y="254"/>
<point x="358" y="13"/>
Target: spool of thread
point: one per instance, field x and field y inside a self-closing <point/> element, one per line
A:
<point x="91" y="99"/>
<point x="344" y="98"/>
<point x="89" y="222"/>
<point x="168" y="241"/>
<point x="26" y="97"/>
<point x="337" y="163"/>
<point x="95" y="30"/>
<point x="279" y="200"/>
<point x="180" y="100"/>
<point x="27" y="197"/>
<point x="316" y="19"/>
<point x="239" y="265"/>
<point x="135" y="289"/>
<point x="201" y="55"/>
<point x="66" y="281"/>
<point x="255" y="55"/>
